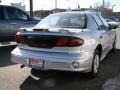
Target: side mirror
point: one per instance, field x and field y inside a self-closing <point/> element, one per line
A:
<point x="112" y="26"/>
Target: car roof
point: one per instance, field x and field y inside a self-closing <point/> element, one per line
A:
<point x="77" y="12"/>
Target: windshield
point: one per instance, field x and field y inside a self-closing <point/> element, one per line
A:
<point x="63" y="20"/>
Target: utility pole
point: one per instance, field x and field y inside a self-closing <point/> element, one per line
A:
<point x="78" y="6"/>
<point x="103" y="8"/>
<point x="55" y="6"/>
<point x="31" y="8"/>
<point x="103" y="4"/>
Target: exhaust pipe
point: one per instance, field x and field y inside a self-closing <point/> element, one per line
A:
<point x="22" y="66"/>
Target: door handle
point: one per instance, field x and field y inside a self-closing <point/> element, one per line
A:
<point x="13" y="23"/>
<point x="100" y="37"/>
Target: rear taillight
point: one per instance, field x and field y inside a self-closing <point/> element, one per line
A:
<point x="20" y="39"/>
<point x="69" y="42"/>
<point x="49" y="41"/>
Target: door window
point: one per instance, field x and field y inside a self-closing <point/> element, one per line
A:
<point x="16" y="14"/>
<point x="2" y="15"/>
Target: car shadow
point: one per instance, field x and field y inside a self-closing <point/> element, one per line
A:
<point x="5" y="55"/>
<point x="59" y="80"/>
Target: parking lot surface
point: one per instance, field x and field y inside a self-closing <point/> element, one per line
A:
<point x="12" y="77"/>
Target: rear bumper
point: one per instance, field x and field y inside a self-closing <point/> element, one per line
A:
<point x="54" y="61"/>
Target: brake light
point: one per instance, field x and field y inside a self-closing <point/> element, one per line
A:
<point x="20" y="39"/>
<point x="41" y="30"/>
<point x="69" y="42"/>
<point x="49" y="41"/>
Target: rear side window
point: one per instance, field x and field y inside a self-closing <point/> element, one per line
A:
<point x="104" y="22"/>
<point x="16" y="14"/>
<point x="2" y="15"/>
<point x="98" y="21"/>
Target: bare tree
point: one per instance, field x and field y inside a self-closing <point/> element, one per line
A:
<point x="97" y="5"/>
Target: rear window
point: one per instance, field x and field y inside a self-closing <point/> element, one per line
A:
<point x="63" y="20"/>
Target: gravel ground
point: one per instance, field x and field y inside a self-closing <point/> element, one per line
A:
<point x="14" y="78"/>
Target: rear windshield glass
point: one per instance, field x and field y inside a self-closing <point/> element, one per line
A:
<point x="66" y="20"/>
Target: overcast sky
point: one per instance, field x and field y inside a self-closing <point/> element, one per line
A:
<point x="50" y="4"/>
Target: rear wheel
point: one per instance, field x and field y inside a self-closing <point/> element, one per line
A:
<point x="95" y="65"/>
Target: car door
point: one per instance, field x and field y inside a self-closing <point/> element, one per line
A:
<point x="17" y="19"/>
<point x="103" y="34"/>
<point x="4" y="24"/>
<point x="111" y="32"/>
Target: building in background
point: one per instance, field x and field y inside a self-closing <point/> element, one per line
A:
<point x="19" y="5"/>
<point x="44" y="13"/>
<point x="56" y="10"/>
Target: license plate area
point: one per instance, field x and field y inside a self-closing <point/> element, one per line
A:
<point x="36" y="63"/>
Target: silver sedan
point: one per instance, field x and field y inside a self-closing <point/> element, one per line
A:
<point x="67" y="41"/>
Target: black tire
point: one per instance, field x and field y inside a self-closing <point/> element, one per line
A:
<point x="96" y="61"/>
